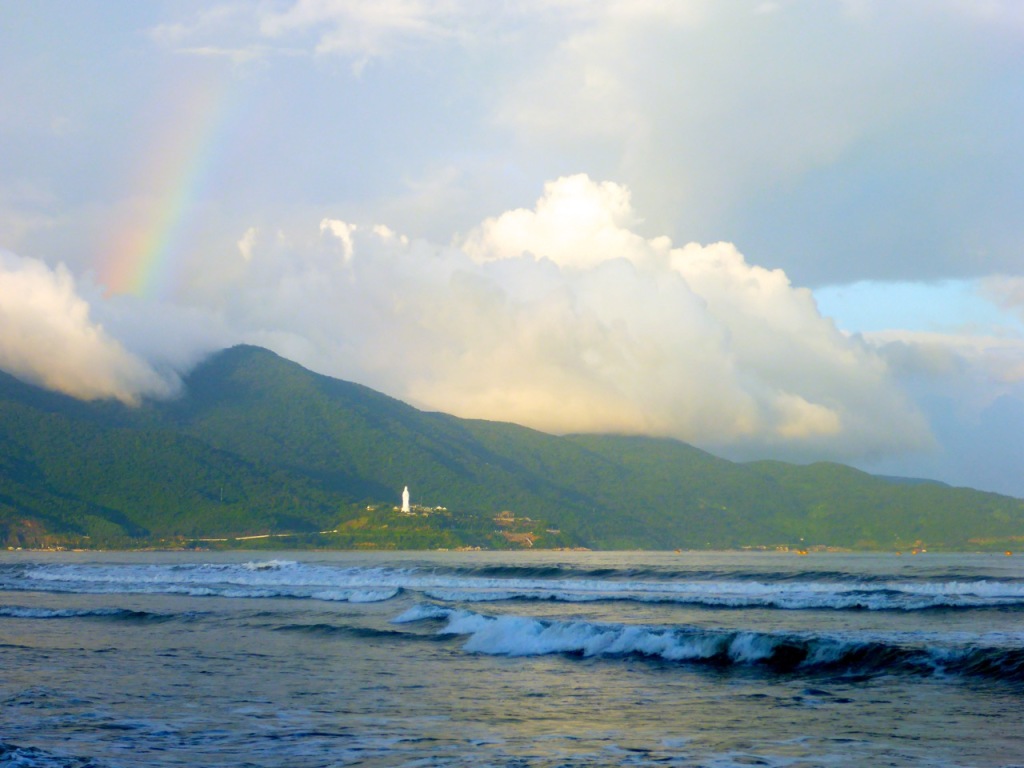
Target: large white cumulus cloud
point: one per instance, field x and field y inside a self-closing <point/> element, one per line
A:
<point x="559" y="317"/>
<point x="47" y="337"/>
<point x="563" y="318"/>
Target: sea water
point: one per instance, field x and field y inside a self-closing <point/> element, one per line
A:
<point x="511" y="659"/>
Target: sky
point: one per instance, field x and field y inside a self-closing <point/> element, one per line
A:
<point x="787" y="230"/>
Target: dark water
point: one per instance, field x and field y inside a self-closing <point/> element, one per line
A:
<point x="522" y="659"/>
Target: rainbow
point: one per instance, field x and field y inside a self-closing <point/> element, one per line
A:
<point x="145" y="255"/>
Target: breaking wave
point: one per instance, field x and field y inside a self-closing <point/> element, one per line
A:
<point x="994" y="655"/>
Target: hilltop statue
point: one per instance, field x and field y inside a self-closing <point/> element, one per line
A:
<point x="405" y="500"/>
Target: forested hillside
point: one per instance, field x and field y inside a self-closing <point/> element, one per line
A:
<point x="258" y="445"/>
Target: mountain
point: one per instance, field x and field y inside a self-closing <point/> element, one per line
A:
<point x="258" y="445"/>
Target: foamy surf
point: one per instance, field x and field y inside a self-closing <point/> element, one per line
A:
<point x="544" y="660"/>
<point x="291" y="579"/>
<point x="995" y="654"/>
<point x="269" y="579"/>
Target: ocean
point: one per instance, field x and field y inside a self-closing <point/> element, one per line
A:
<point x="312" y="659"/>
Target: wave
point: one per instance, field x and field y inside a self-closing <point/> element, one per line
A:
<point x="261" y="579"/>
<point x="803" y="593"/>
<point x="124" y="614"/>
<point x="997" y="656"/>
<point x="805" y="590"/>
<point x="664" y="573"/>
<point x="33" y="757"/>
<point x="725" y="595"/>
<point x="359" y="633"/>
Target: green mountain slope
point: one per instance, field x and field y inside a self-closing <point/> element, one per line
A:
<point x="258" y="445"/>
<point x="865" y="511"/>
<point x="108" y="471"/>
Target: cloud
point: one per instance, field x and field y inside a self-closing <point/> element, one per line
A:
<point x="708" y="103"/>
<point x="998" y="361"/>
<point x="246" y="241"/>
<point x="576" y="223"/>
<point x="49" y="339"/>
<point x="363" y="31"/>
<point x="563" y="318"/>
<point x="971" y="387"/>
<point x="1006" y="291"/>
<point x="560" y="317"/>
<point x="842" y="141"/>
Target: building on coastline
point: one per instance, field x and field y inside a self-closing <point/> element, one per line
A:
<point x="405" y="500"/>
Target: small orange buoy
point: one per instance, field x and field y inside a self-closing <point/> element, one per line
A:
<point x="1008" y="553"/>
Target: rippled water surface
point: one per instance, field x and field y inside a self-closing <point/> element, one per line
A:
<point x="517" y="659"/>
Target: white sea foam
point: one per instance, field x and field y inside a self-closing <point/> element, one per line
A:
<point x="372" y="595"/>
<point x="526" y="636"/>
<point x="286" y="578"/>
<point x="422" y="612"/>
<point x="275" y="578"/>
<point x="269" y="565"/>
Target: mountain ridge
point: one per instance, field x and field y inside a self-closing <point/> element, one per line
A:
<point x="258" y="445"/>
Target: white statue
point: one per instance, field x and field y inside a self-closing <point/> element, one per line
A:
<point x="405" y="500"/>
